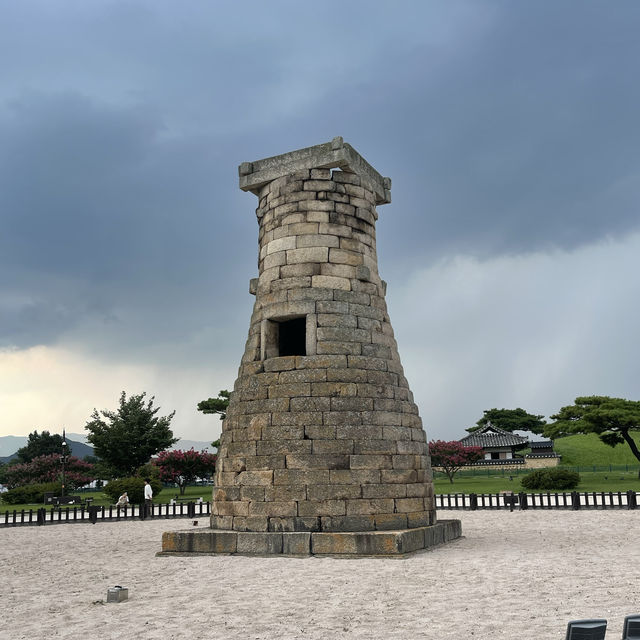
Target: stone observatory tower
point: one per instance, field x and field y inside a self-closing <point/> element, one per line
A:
<point x="322" y="449"/>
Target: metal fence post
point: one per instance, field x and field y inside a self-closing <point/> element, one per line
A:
<point x="473" y="501"/>
<point x="575" y="500"/>
<point x="631" y="499"/>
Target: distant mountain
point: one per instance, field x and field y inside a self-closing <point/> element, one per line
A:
<point x="78" y="437"/>
<point x="183" y="443"/>
<point x="9" y="445"/>
<point x="198" y="445"/>
<point x="79" y="449"/>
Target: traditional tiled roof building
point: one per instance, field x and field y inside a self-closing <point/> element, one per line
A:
<point x="497" y="444"/>
<point x="542" y="449"/>
<point x="500" y="447"/>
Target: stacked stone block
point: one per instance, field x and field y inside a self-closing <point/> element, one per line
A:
<point x="327" y="437"/>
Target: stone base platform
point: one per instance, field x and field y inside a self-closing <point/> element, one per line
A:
<point x="305" y="543"/>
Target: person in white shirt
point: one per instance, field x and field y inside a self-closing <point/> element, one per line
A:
<point x="123" y="500"/>
<point x="148" y="496"/>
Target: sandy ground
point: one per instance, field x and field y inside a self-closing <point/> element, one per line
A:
<point x="513" y="575"/>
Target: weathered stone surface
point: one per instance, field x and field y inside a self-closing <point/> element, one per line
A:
<point x="317" y="461"/>
<point x="267" y="448"/>
<point x="334" y="491"/>
<point x="322" y="508"/>
<point x="259" y="543"/>
<point x="285" y="493"/>
<point x="296" y="544"/>
<point x="273" y="508"/>
<point x="321" y="431"/>
<point x="347" y="523"/>
<point x="332" y="446"/>
<point x="390" y="521"/>
<point x="341" y="536"/>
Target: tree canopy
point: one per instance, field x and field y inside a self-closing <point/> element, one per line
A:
<point x="216" y="405"/>
<point x="48" y="468"/>
<point x="511" y="420"/>
<point x="127" y="438"/>
<point x="183" y="467"/>
<point x="452" y="456"/>
<point x="611" y="418"/>
<point x="40" y="444"/>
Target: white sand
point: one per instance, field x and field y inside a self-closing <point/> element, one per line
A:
<point x="513" y="575"/>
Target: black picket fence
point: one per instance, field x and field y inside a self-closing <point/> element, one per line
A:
<point x="94" y="514"/>
<point x="506" y="468"/>
<point x="569" y="500"/>
<point x="471" y="501"/>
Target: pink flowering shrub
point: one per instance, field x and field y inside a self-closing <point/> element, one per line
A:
<point x="183" y="467"/>
<point x="452" y="456"/>
<point x="49" y="469"/>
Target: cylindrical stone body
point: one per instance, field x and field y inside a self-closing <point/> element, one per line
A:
<point x="321" y="432"/>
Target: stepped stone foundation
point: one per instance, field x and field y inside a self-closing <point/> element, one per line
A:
<point x="322" y="449"/>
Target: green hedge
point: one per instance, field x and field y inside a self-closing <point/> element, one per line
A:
<point x="134" y="487"/>
<point x="560" y="479"/>
<point x="31" y="493"/>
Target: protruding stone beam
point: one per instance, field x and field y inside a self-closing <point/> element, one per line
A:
<point x="338" y="545"/>
<point x="330" y="155"/>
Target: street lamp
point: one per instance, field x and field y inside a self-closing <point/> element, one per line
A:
<point x="64" y="458"/>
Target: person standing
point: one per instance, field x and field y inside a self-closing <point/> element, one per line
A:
<point x="148" y="497"/>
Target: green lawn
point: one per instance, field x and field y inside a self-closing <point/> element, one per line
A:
<point x="100" y="498"/>
<point x="588" y="450"/>
<point x="494" y="483"/>
<point x="601" y="468"/>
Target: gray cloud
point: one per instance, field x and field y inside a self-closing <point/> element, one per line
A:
<point x="508" y="129"/>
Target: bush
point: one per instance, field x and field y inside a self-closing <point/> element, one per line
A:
<point x="31" y="493"/>
<point x="134" y="487"/>
<point x="48" y="469"/>
<point x="559" y="479"/>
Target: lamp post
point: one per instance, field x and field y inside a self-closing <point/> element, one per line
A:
<point x="63" y="458"/>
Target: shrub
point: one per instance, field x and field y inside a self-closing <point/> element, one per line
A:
<point x="560" y="479"/>
<point x="452" y="456"/>
<point x="48" y="469"/>
<point x="31" y="493"/>
<point x="134" y="487"/>
<point x="183" y="467"/>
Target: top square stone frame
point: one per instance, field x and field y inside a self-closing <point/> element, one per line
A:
<point x="330" y="155"/>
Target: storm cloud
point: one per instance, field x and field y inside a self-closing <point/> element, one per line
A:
<point x="509" y="130"/>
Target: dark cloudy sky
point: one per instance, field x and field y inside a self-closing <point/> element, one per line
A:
<point x="511" y="247"/>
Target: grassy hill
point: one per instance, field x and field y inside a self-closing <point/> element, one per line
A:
<point x="602" y="468"/>
<point x="587" y="450"/>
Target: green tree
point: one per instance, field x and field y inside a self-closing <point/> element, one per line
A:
<point x="127" y="438"/>
<point x="216" y="405"/>
<point x="183" y="467"/>
<point x="511" y="420"/>
<point x="613" y="419"/>
<point x="40" y="444"/>
<point x="101" y="468"/>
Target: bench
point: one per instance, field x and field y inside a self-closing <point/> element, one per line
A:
<point x="59" y="501"/>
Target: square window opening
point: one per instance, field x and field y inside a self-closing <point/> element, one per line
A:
<point x="292" y="337"/>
